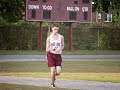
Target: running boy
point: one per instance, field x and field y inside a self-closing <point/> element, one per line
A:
<point x="54" y="47"/>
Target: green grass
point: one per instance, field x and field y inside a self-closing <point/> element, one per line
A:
<point x="108" y="71"/>
<point x="26" y="87"/>
<point x="92" y="52"/>
<point x="76" y="52"/>
<point x="103" y="77"/>
<point x="21" y="52"/>
<point x="68" y="66"/>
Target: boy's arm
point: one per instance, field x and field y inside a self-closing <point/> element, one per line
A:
<point x="47" y="44"/>
<point x="62" y="38"/>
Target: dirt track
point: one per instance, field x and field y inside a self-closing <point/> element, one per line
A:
<point x="12" y="58"/>
<point x="70" y="84"/>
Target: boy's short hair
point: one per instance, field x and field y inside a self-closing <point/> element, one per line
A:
<point x="55" y="25"/>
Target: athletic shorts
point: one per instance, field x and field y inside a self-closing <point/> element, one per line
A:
<point x="54" y="59"/>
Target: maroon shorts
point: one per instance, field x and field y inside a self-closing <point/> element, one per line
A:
<point x="54" y="59"/>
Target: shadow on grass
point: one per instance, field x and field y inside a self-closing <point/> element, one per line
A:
<point x="26" y="87"/>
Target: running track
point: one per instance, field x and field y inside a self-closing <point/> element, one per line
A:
<point x="6" y="58"/>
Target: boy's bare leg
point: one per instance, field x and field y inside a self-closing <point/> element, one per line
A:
<point x="53" y="69"/>
<point x="58" y="70"/>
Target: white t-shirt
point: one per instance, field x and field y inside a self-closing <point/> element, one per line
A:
<point x="55" y="44"/>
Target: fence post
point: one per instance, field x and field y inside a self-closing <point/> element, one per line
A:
<point x="70" y="37"/>
<point x="98" y="37"/>
<point x="49" y="32"/>
<point x="40" y="37"/>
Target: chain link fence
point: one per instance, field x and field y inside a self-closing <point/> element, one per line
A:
<point x="25" y="37"/>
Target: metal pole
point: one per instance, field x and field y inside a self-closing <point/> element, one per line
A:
<point x="70" y="37"/>
<point x="40" y="37"/>
<point x="48" y="33"/>
<point x="98" y="37"/>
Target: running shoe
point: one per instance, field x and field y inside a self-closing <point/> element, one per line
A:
<point x="53" y="85"/>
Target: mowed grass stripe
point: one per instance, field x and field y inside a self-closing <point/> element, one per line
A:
<point x="68" y="66"/>
<point x="104" y="77"/>
<point x="76" y="70"/>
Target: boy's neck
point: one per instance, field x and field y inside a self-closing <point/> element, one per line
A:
<point x="55" y="34"/>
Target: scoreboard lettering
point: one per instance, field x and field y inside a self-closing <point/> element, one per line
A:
<point x="47" y="7"/>
<point x="59" y="10"/>
<point x="72" y="8"/>
<point x="33" y="6"/>
<point x="85" y="9"/>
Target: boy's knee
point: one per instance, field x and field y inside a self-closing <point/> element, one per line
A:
<point x="57" y="73"/>
<point x="58" y="70"/>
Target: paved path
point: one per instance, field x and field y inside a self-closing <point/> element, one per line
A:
<point x="70" y="84"/>
<point x="5" y="58"/>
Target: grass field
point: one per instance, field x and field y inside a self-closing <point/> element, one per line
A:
<point x="26" y="87"/>
<point x="107" y="71"/>
<point x="77" y="52"/>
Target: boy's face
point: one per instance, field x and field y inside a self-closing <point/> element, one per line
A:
<point x="55" y="30"/>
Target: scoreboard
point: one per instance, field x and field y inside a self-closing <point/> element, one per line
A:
<point x="59" y="10"/>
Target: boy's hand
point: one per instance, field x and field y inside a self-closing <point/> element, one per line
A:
<point x="58" y="51"/>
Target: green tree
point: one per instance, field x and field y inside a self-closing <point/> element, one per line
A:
<point x="108" y="6"/>
<point x="104" y="5"/>
<point x="11" y="10"/>
<point x="97" y="6"/>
